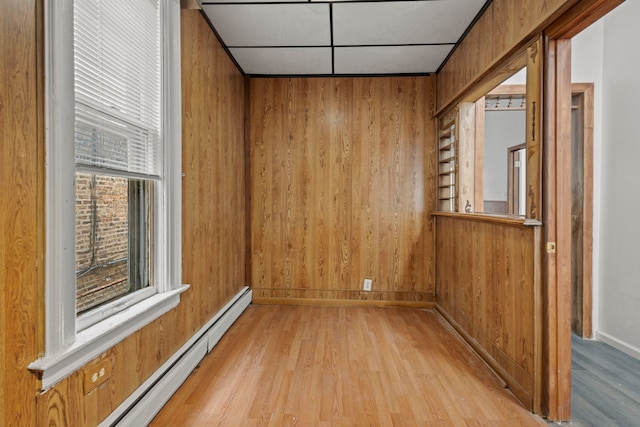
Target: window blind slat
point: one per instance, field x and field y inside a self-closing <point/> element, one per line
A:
<point x="142" y="51"/>
<point x="104" y="141"/>
<point x="117" y="84"/>
<point x="90" y="83"/>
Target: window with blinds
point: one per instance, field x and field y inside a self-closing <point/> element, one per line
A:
<point x="117" y="86"/>
<point x="112" y="143"/>
<point x="118" y="150"/>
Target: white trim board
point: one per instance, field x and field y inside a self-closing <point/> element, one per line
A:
<point x="144" y="403"/>
<point x="618" y="344"/>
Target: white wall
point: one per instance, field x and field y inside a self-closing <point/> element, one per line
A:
<point x="502" y="129"/>
<point x="608" y="54"/>
<point x="587" y="67"/>
<point x="519" y="78"/>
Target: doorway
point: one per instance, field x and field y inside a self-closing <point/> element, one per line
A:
<point x="517" y="179"/>
<point x="581" y="209"/>
<point x="573" y="306"/>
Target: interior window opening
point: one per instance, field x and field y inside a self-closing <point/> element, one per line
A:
<point x="504" y="156"/>
<point x="483" y="150"/>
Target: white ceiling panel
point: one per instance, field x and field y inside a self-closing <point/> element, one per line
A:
<point x="249" y="1"/>
<point x="389" y="59"/>
<point x="271" y="24"/>
<point x="410" y="22"/>
<point x="284" y="61"/>
<point x="296" y="37"/>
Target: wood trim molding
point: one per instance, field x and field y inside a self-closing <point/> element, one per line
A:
<point x="587" y="91"/>
<point x="557" y="219"/>
<point x="534" y="133"/>
<point x="498" y="72"/>
<point x="509" y="90"/>
<point x="466" y="153"/>
<point x="248" y="278"/>
<point x="501" y="374"/>
<point x="342" y="302"/>
<point x="579" y="17"/>
<point x="478" y="179"/>
<point x="493" y="218"/>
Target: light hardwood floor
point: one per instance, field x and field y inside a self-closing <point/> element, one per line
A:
<point x="342" y="366"/>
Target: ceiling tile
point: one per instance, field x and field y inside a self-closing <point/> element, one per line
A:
<point x="271" y="24"/>
<point x="390" y="59"/>
<point x="284" y="61"/>
<point x="410" y="22"/>
<point x="204" y="3"/>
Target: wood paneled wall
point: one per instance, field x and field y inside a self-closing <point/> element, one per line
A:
<point x="213" y="164"/>
<point x="213" y="238"/>
<point x="21" y="220"/>
<point x="504" y="27"/>
<point x="487" y="287"/>
<point x="342" y="181"/>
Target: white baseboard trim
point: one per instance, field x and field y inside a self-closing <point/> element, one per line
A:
<point x="618" y="344"/>
<point x="144" y="403"/>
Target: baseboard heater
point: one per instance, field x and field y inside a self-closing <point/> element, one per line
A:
<point x="143" y="404"/>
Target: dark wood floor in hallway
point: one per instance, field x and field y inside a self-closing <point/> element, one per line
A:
<point x="342" y="366"/>
<point x="605" y="386"/>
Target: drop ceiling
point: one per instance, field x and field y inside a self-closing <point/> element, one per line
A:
<point x="341" y="37"/>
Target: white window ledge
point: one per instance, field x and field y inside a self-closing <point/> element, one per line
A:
<point x="97" y="339"/>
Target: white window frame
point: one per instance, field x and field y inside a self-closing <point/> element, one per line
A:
<point x="67" y="346"/>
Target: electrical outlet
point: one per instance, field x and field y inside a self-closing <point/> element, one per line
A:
<point x="95" y="374"/>
<point x="367" y="284"/>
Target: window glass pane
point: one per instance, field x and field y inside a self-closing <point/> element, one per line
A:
<point x="113" y="245"/>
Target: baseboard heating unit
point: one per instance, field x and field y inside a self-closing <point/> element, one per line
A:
<point x="143" y="404"/>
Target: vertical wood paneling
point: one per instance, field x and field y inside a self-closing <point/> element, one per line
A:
<point x="340" y="188"/>
<point x="21" y="149"/>
<point x="213" y="168"/>
<point x="486" y="286"/>
<point x="213" y="231"/>
<point x="504" y="26"/>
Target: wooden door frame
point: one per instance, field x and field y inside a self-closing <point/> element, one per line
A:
<point x="586" y="90"/>
<point x="556" y="214"/>
<point x="511" y="176"/>
<point x="557" y="229"/>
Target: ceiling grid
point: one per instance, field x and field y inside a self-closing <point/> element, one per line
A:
<point x="347" y="37"/>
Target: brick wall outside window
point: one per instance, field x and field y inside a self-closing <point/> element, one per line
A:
<point x="101" y="239"/>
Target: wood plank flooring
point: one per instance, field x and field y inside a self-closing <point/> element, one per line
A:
<point x="605" y="386"/>
<point x="342" y="366"/>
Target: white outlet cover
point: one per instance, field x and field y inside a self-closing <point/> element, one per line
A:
<point x="367" y="284"/>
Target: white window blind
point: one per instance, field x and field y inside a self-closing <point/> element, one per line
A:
<point x="117" y="86"/>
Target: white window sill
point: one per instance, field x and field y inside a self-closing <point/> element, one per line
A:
<point x="97" y="339"/>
